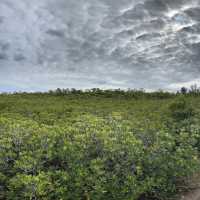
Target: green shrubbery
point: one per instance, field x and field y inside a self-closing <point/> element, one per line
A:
<point x="122" y="150"/>
<point x="180" y="110"/>
<point x="95" y="159"/>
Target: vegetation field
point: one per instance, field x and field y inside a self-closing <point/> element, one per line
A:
<point x="95" y="145"/>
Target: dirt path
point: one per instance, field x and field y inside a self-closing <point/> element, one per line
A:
<point x="195" y="193"/>
<point x="192" y="195"/>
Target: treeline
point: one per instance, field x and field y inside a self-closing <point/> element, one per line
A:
<point x="129" y="93"/>
<point x="194" y="90"/>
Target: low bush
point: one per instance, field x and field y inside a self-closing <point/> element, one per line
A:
<point x="92" y="159"/>
<point x="181" y="110"/>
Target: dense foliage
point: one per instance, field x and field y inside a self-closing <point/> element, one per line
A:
<point x="97" y="145"/>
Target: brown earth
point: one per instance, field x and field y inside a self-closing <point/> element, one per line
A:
<point x="194" y="192"/>
<point x="192" y="195"/>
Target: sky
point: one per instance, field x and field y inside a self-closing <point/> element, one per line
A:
<point x="150" y="44"/>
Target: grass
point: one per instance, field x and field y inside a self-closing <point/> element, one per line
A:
<point x="97" y="146"/>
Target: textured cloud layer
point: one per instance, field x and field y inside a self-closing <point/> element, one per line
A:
<point x="99" y="43"/>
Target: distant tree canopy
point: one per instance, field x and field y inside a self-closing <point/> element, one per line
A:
<point x="194" y="90"/>
<point x="160" y="94"/>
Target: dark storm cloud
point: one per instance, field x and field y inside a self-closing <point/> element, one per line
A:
<point x="99" y="43"/>
<point x="3" y="56"/>
<point x="4" y="45"/>
<point x="156" y="7"/>
<point x="194" y="13"/>
<point x="56" y="33"/>
<point x="19" y="57"/>
<point x="1" y="19"/>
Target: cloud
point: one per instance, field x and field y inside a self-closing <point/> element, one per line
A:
<point x="1" y="19"/>
<point x="19" y="57"/>
<point x="56" y="33"/>
<point x="3" y="56"/>
<point x="99" y="43"/>
<point x="4" y="45"/>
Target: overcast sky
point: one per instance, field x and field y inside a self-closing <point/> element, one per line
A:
<point x="147" y="44"/>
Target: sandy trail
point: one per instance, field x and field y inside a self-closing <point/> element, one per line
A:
<point x="193" y="195"/>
